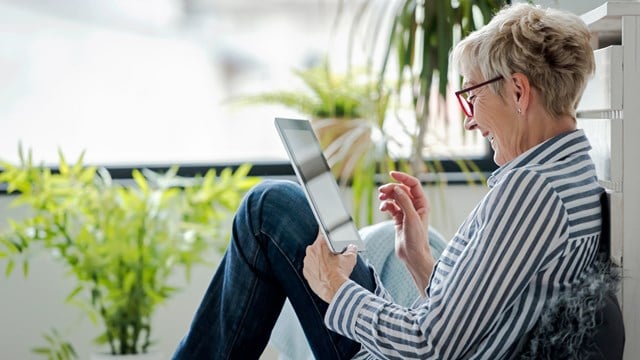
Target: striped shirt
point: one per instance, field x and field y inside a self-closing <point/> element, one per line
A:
<point x="533" y="234"/>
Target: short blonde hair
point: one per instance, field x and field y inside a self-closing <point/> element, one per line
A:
<point x="551" y="47"/>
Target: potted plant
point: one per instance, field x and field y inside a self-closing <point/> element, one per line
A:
<point x="347" y="112"/>
<point x="415" y="56"/>
<point x="407" y="44"/>
<point x="119" y="242"/>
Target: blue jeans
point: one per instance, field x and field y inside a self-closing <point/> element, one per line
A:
<point x="260" y="269"/>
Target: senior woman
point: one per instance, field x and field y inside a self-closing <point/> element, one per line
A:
<point x="535" y="233"/>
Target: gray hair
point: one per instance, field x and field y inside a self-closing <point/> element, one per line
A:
<point x="551" y="47"/>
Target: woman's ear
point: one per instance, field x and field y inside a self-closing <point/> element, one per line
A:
<point x="521" y="91"/>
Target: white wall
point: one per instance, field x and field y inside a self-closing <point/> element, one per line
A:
<point x="31" y="306"/>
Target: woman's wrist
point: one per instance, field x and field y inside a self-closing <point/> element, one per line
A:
<point x="333" y="284"/>
<point x="420" y="267"/>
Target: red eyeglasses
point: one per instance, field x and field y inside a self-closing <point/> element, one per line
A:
<point x="466" y="102"/>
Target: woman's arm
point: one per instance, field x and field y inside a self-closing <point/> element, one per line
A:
<point x="407" y="204"/>
<point x="477" y="284"/>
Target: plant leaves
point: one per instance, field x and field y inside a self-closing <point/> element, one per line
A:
<point x="25" y="268"/>
<point x="73" y="293"/>
<point x="41" y="350"/>
<point x="121" y="242"/>
<point x="9" y="268"/>
<point x="140" y="180"/>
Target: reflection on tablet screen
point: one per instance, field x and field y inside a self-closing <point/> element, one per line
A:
<point x="322" y="189"/>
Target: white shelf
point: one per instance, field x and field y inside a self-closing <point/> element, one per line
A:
<point x="604" y="90"/>
<point x="607" y="17"/>
<point x="609" y="112"/>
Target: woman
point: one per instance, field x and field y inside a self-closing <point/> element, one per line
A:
<point x="535" y="233"/>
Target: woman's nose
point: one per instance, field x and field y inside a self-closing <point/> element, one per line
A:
<point x="470" y="123"/>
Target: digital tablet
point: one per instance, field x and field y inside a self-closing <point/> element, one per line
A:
<point x="319" y="184"/>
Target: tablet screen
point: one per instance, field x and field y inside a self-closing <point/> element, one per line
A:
<point x="320" y="186"/>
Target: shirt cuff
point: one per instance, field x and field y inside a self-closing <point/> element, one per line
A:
<point x="344" y="307"/>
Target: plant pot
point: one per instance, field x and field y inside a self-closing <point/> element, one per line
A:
<point x="147" y="356"/>
<point x="346" y="142"/>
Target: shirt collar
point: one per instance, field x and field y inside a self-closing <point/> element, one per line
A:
<point x="549" y="151"/>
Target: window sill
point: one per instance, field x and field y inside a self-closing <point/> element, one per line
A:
<point x="451" y="174"/>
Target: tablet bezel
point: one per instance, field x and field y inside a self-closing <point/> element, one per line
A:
<point x="319" y="163"/>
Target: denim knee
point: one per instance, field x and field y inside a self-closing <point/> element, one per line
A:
<point x="280" y="210"/>
<point x="280" y="187"/>
<point x="275" y="196"/>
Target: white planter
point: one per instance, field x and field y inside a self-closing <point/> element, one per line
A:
<point x="148" y="356"/>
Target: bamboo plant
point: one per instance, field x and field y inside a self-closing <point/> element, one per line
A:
<point x="120" y="243"/>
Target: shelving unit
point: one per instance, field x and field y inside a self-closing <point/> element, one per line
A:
<point x="610" y="114"/>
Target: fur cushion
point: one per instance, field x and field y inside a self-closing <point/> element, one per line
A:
<point x="568" y="324"/>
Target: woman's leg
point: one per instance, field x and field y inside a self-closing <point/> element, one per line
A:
<point x="261" y="267"/>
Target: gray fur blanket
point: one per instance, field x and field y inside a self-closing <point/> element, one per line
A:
<point x="569" y="322"/>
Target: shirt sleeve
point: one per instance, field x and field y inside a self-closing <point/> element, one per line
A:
<point x="515" y="229"/>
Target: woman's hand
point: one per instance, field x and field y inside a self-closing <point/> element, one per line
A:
<point x="408" y="206"/>
<point x="325" y="271"/>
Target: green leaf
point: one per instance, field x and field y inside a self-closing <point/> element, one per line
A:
<point x="25" y="268"/>
<point x="9" y="269"/>
<point x="225" y="175"/>
<point x="57" y="347"/>
<point x="49" y="338"/>
<point x="69" y="351"/>
<point x="129" y="281"/>
<point x="41" y="350"/>
<point x="101" y="339"/>
<point x="87" y="175"/>
<point x="63" y="167"/>
<point x="242" y="171"/>
<point x="140" y="180"/>
<point x="173" y="171"/>
<point x="77" y="167"/>
<point x="73" y="293"/>
<point x="20" y="152"/>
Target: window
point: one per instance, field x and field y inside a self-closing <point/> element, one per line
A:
<point x="148" y="83"/>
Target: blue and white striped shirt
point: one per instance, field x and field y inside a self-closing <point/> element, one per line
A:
<point x="534" y="233"/>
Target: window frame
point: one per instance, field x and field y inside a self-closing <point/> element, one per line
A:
<point x="452" y="175"/>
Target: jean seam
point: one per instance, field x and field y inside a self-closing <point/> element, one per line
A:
<point x="249" y="299"/>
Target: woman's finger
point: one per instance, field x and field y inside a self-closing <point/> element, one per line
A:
<point x="415" y="191"/>
<point x="404" y="202"/>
